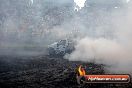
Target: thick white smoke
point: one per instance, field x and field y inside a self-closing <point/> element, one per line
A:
<point x="79" y="4"/>
<point x="29" y="26"/>
<point x="127" y="1"/>
<point x="32" y="1"/>
<point x="115" y="52"/>
<point x="103" y="32"/>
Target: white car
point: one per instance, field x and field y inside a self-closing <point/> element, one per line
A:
<point x="61" y="48"/>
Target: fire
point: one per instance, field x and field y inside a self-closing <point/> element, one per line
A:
<point x="81" y="71"/>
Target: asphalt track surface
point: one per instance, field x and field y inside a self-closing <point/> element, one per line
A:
<point x="46" y="72"/>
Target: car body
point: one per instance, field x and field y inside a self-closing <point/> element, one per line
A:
<point x="60" y="48"/>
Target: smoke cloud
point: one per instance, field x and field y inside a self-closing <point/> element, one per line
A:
<point x="29" y="26"/>
<point x="102" y="29"/>
<point x="114" y="50"/>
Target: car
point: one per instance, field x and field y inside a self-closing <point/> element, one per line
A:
<point x="61" y="48"/>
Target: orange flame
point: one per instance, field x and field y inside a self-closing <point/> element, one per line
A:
<point x="81" y="71"/>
